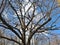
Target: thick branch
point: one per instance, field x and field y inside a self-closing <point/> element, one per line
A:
<point x="4" y="22"/>
<point x="9" y="26"/>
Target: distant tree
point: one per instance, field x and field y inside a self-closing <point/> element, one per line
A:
<point x="27" y="17"/>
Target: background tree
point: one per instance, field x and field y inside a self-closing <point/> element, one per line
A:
<point x="27" y="17"/>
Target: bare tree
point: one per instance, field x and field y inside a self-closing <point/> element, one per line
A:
<point x="27" y="17"/>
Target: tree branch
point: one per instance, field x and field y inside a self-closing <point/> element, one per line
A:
<point x="38" y="29"/>
<point x="10" y="39"/>
<point x="9" y="26"/>
<point x="4" y="22"/>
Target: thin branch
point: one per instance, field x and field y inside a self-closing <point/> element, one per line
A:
<point x="2" y="6"/>
<point x="17" y="15"/>
<point x="10" y="39"/>
<point x="31" y="18"/>
<point x="4" y="26"/>
<point x="38" y="29"/>
<point x="55" y="20"/>
<point x="9" y="26"/>
<point x="56" y="28"/>
<point x="14" y="11"/>
<point x="38" y="22"/>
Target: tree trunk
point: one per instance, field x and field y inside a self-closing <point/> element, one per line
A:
<point x="28" y="43"/>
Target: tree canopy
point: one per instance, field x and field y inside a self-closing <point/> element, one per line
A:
<point x="24" y="17"/>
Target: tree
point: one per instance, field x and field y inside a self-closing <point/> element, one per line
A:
<point x="24" y="17"/>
